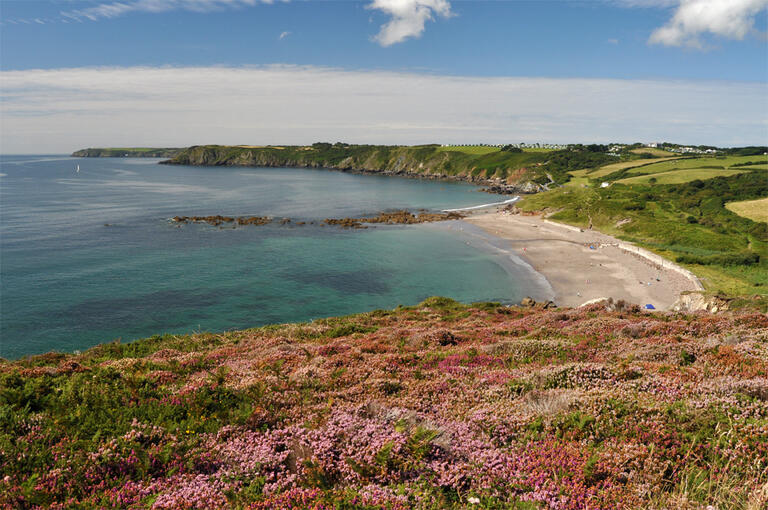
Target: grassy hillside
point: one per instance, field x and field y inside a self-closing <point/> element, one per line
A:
<point x="463" y="163"/>
<point x="434" y="406"/>
<point x="680" y="214"/>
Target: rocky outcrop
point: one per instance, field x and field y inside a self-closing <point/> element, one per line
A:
<point x="527" y="187"/>
<point x="529" y="302"/>
<point x="218" y="220"/>
<point x="388" y="218"/>
<point x="394" y="218"/>
<point x="695" y="301"/>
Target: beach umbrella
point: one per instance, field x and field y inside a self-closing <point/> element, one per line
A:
<point x="650" y="307"/>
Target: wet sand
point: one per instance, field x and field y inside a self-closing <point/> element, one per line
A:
<point x="578" y="264"/>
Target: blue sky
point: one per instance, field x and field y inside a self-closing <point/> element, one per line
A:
<point x="717" y="47"/>
<point x="483" y="38"/>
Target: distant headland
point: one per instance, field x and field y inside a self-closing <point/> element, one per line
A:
<point x="127" y="152"/>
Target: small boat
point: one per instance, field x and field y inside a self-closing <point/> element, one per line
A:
<point x="78" y="169"/>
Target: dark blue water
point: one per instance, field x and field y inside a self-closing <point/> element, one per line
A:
<point x="70" y="282"/>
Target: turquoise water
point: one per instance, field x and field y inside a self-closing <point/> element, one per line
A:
<point x="90" y="257"/>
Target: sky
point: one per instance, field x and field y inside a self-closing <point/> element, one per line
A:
<point x="77" y="74"/>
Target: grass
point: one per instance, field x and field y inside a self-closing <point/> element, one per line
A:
<point x="755" y="210"/>
<point x="578" y="181"/>
<point x="470" y="149"/>
<point x="682" y="176"/>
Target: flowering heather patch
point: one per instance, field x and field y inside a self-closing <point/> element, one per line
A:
<point x="440" y="405"/>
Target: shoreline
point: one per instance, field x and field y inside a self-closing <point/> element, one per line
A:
<point x="584" y="266"/>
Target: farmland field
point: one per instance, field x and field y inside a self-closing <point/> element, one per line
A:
<point x="681" y="176"/>
<point x="755" y="210"/>
<point x="469" y="149"/>
<point x="615" y="167"/>
<point x="689" y="163"/>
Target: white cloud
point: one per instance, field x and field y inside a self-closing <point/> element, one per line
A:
<point x="732" y="19"/>
<point x="283" y="35"/>
<point x="115" y="9"/>
<point x="55" y="111"/>
<point x="407" y="18"/>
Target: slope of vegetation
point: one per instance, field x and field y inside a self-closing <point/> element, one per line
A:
<point x="440" y="405"/>
<point x="464" y="163"/>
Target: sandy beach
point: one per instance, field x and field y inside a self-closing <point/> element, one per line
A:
<point x="584" y="265"/>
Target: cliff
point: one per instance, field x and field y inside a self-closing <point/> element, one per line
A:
<point x="126" y="152"/>
<point x="507" y="171"/>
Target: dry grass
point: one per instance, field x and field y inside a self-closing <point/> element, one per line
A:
<point x="260" y="147"/>
<point x="549" y="402"/>
<point x="755" y="210"/>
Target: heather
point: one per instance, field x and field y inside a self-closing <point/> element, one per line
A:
<point x="440" y="405"/>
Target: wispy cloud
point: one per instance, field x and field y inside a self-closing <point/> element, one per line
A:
<point x="283" y="35"/>
<point x="115" y="9"/>
<point x="407" y="18"/>
<point x="732" y="19"/>
<point x="62" y="110"/>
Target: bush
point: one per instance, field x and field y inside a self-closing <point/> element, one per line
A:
<point x="725" y="259"/>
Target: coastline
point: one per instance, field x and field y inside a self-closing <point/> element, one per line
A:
<point x="584" y="266"/>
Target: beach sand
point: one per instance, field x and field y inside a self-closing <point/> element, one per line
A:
<point x="578" y="273"/>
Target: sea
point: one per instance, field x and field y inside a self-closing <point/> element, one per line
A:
<point x="91" y="256"/>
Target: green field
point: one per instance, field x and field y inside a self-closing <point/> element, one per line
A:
<point x="755" y="210"/>
<point x="704" y="162"/>
<point x="530" y="149"/>
<point x="623" y="165"/>
<point x="469" y="149"/>
<point x="681" y="176"/>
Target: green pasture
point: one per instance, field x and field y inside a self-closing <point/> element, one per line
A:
<point x="615" y="167"/>
<point x="539" y="149"/>
<point x="469" y="149"/>
<point x="704" y="162"/>
<point x="681" y="176"/>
